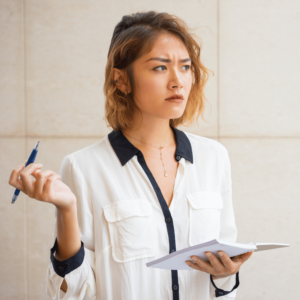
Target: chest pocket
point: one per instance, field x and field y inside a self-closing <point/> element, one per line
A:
<point x="204" y="216"/>
<point x="131" y="229"/>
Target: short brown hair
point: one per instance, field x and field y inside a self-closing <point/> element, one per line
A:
<point x="133" y="36"/>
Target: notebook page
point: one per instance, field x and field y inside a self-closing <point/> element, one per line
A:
<point x="269" y="246"/>
<point x="176" y="260"/>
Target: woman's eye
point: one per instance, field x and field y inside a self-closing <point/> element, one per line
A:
<point x="159" y="67"/>
<point x="188" y="67"/>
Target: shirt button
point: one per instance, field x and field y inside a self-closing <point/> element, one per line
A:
<point x="168" y="220"/>
<point x="175" y="287"/>
<point x="178" y="157"/>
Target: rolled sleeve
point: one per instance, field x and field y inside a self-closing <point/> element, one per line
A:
<point x="80" y="282"/>
<point x="229" y="287"/>
<point x="63" y="268"/>
<point x="78" y="270"/>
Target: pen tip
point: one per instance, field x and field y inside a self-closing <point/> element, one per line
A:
<point x="37" y="145"/>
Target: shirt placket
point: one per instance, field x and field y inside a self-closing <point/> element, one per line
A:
<point x="167" y="214"/>
<point x="178" y="182"/>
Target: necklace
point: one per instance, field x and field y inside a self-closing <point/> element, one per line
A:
<point x="160" y="147"/>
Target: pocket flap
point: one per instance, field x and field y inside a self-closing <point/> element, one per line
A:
<point x="205" y="199"/>
<point x="125" y="209"/>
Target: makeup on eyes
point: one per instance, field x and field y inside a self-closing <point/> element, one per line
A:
<point x="189" y="67"/>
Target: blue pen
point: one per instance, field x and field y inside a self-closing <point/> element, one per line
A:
<point x="30" y="160"/>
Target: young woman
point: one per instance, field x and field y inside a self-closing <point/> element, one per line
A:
<point x="146" y="189"/>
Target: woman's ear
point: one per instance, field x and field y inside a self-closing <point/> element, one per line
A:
<point x="121" y="81"/>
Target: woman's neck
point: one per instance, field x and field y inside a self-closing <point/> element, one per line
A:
<point x="152" y="133"/>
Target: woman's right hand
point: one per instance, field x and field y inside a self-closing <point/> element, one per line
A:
<point x="47" y="187"/>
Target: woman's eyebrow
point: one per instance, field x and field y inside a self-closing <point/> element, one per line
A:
<point x="166" y="60"/>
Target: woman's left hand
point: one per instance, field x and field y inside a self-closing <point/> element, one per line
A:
<point x="219" y="268"/>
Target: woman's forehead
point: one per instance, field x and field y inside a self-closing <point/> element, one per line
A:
<point x="167" y="46"/>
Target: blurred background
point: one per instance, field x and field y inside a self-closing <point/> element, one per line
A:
<point x="52" y="61"/>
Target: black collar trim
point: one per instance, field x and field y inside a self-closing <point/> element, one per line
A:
<point x="125" y="150"/>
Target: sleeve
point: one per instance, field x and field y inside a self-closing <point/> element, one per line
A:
<point x="78" y="270"/>
<point x="228" y="232"/>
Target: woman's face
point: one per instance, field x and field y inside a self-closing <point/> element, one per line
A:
<point x="159" y="75"/>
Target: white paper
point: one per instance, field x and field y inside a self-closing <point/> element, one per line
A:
<point x="177" y="260"/>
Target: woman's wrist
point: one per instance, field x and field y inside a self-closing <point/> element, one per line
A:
<point x="219" y="277"/>
<point x="71" y="207"/>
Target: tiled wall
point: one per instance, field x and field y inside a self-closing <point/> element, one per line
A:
<point x="52" y="59"/>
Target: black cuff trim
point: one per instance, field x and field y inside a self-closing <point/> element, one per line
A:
<point x="62" y="268"/>
<point x="220" y="292"/>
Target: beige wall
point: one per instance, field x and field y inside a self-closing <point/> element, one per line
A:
<point x="52" y="59"/>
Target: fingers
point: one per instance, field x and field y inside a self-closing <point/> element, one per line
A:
<point x="49" y="187"/>
<point x="215" y="267"/>
<point x="42" y="188"/>
<point x="201" y="265"/>
<point x="215" y="262"/>
<point x="26" y="180"/>
<point x="195" y="265"/>
<point x="242" y="258"/>
<point x="41" y="178"/>
<point x="13" y="178"/>
<point x="227" y="266"/>
<point x="24" y="184"/>
<point x="227" y="262"/>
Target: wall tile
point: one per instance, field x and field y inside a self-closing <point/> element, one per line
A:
<point x="64" y="72"/>
<point x="11" y="69"/>
<point x="265" y="176"/>
<point x="41" y="215"/>
<point x="67" y="45"/>
<point x="259" y="68"/>
<point x="12" y="223"/>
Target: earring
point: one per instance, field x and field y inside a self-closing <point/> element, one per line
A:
<point x="116" y="81"/>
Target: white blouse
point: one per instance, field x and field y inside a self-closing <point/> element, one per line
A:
<point x="125" y="222"/>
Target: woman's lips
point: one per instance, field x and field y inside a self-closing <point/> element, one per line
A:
<point x="175" y="100"/>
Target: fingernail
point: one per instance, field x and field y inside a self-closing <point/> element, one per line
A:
<point x="220" y="253"/>
<point x="193" y="258"/>
<point x="208" y="254"/>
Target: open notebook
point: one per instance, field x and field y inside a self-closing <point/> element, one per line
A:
<point x="176" y="260"/>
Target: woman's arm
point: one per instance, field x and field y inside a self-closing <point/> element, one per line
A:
<point x="68" y="236"/>
<point x="71" y="269"/>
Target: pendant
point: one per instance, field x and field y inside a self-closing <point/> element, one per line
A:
<point x="166" y="174"/>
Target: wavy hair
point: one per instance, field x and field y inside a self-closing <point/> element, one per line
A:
<point x="134" y="36"/>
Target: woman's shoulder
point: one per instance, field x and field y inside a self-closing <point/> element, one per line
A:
<point x="200" y="142"/>
<point x="89" y="153"/>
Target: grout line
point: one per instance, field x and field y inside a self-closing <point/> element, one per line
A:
<point x="99" y="137"/>
<point x="259" y="137"/>
<point x="52" y="137"/>
<point x="25" y="125"/>
<point x="218" y="70"/>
